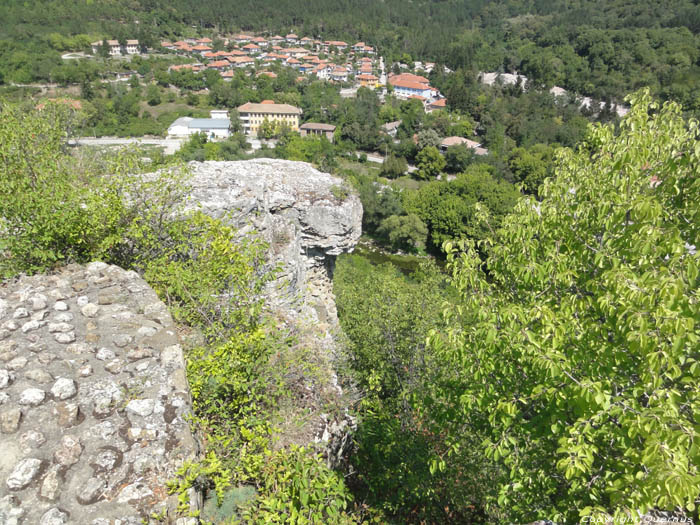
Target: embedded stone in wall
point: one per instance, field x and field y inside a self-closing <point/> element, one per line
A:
<point x="93" y="399"/>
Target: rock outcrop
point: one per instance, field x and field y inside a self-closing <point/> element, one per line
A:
<point x="93" y="399"/>
<point x="307" y="217"/>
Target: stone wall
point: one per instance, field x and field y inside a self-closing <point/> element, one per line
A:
<point x="93" y="399"/>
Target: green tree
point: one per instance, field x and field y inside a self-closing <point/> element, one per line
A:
<point x="153" y="95"/>
<point x="576" y="354"/>
<point x="393" y="166"/>
<point x="428" y="137"/>
<point x="267" y="129"/>
<point x="430" y="162"/>
<point x="530" y="166"/>
<point x="458" y="157"/>
<point x="404" y="232"/>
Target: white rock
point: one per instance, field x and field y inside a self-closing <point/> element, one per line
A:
<point x="90" y="310"/>
<point x="141" y="407"/>
<point x="63" y="317"/>
<point x="63" y="388"/>
<point x="105" y="354"/>
<point x="54" y="517"/>
<point x="23" y="473"/>
<point x="10" y="325"/>
<point x="96" y="267"/>
<point x="30" y="326"/>
<point x="134" y="493"/>
<point x="60" y="306"/>
<point x="4" y="378"/>
<point x="147" y="331"/>
<point x="32" y="397"/>
<point x="65" y="338"/>
<point x="59" y="327"/>
<point x="17" y="363"/>
<point x="38" y="302"/>
<point x="10" y="510"/>
<point x="83" y="300"/>
<point x="20" y="313"/>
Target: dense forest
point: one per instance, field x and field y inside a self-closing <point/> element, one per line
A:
<point x="604" y="48"/>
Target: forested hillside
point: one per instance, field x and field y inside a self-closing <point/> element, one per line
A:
<point x="597" y="47"/>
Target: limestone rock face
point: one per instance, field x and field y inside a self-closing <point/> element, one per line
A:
<point x="308" y="218"/>
<point x="300" y="212"/>
<point x="84" y="439"/>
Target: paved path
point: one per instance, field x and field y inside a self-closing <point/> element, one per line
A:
<point x="378" y="159"/>
<point x="170" y="145"/>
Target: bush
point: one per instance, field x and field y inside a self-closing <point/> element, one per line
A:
<point x="49" y="213"/>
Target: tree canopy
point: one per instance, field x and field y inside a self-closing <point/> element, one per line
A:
<point x="574" y="349"/>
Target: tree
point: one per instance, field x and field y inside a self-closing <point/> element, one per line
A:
<point x="393" y="166"/>
<point x="153" y="95"/>
<point x="428" y="137"/>
<point x="103" y="49"/>
<point x="458" y="157"/>
<point x="531" y="166"/>
<point x="430" y="162"/>
<point x="404" y="232"/>
<point x="575" y="349"/>
<point x="267" y="128"/>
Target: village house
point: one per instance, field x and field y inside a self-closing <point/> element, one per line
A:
<point x="339" y="74"/>
<point x="276" y="40"/>
<point x="458" y="141"/>
<point x="219" y="65"/>
<point x="253" y="115"/>
<point x="296" y="52"/>
<point x="242" y="39"/>
<point x="115" y="49"/>
<point x="437" y="104"/>
<point x="367" y="80"/>
<point x="407" y="85"/>
<point x="241" y="61"/>
<point x="291" y="38"/>
<point x="251" y="49"/>
<point x="317" y="129"/>
<point x="201" y="48"/>
<point x="338" y="44"/>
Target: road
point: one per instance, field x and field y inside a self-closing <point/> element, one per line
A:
<point x="169" y="145"/>
<point x="378" y="159"/>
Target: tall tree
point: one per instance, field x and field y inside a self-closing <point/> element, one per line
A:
<point x="576" y="347"/>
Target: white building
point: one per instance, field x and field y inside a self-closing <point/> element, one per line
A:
<point x="216" y="127"/>
<point x="132" y="47"/>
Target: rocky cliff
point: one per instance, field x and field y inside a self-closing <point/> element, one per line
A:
<point x="93" y="394"/>
<point x="306" y="216"/>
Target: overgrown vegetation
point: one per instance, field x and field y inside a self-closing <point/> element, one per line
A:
<point x="243" y="372"/>
<point x="558" y="380"/>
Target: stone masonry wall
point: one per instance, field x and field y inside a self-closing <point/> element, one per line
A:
<point x="93" y="399"/>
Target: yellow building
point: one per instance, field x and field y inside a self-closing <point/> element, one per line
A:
<point x="252" y="115"/>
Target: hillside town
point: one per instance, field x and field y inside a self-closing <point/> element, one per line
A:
<point x="357" y="65"/>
